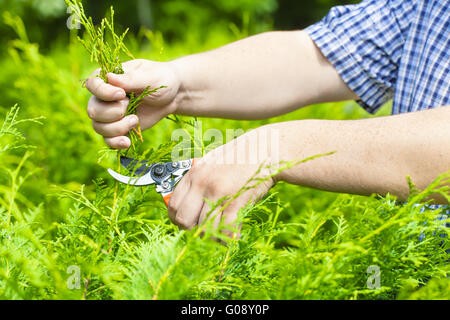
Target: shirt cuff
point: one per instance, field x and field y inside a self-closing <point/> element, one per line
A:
<point x="372" y="94"/>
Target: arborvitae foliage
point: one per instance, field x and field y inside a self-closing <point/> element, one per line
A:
<point x="105" y="47"/>
<point x="129" y="250"/>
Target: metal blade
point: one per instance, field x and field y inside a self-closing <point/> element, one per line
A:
<point x="134" y="181"/>
<point x="135" y="167"/>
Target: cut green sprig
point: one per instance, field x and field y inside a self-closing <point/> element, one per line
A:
<point x="107" y="55"/>
<point x="135" y="101"/>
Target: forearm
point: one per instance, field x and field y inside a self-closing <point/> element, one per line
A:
<point x="372" y="155"/>
<point x="257" y="77"/>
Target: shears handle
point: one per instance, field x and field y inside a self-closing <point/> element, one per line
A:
<point x="166" y="196"/>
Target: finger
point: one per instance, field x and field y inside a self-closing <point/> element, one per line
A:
<point x="189" y="211"/>
<point x="115" y="129"/>
<point x="177" y="197"/>
<point x="151" y="115"/>
<point x="132" y="65"/>
<point x="104" y="91"/>
<point x="230" y="216"/>
<point x="206" y="214"/>
<point x="124" y="81"/>
<point x="217" y="216"/>
<point x="118" y="142"/>
<point x="206" y="217"/>
<point x="129" y="80"/>
<point x="102" y="111"/>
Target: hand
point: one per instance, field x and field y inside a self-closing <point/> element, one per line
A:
<point x="108" y="105"/>
<point x="213" y="177"/>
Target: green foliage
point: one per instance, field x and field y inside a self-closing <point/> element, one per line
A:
<point x="178" y="20"/>
<point x="107" y="55"/>
<point x="48" y="8"/>
<point x="104" y="53"/>
<point x="59" y="209"/>
<point x="121" y="240"/>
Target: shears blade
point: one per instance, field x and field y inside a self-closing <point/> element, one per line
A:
<point x="135" y="167"/>
<point x="144" y="180"/>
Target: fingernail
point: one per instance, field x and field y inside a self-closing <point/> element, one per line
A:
<point x="119" y="95"/>
<point x="110" y="75"/>
<point x="125" y="101"/>
<point x="123" y="144"/>
<point x="133" y="121"/>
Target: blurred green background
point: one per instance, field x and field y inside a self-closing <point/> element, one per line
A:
<point x="176" y="19"/>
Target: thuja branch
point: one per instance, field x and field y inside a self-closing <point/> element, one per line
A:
<point x="134" y="103"/>
<point x="107" y="55"/>
<point x="104" y="53"/>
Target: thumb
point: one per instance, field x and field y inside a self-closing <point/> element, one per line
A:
<point x="125" y="81"/>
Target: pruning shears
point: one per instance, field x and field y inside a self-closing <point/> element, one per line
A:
<point x="164" y="175"/>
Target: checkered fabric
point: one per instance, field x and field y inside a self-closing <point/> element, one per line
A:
<point x="390" y="49"/>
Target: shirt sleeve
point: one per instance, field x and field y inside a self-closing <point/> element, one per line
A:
<point x="364" y="43"/>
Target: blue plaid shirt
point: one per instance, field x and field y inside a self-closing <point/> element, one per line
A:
<point x="390" y="49"/>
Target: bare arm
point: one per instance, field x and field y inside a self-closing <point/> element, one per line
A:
<point x="258" y="77"/>
<point x="373" y="155"/>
